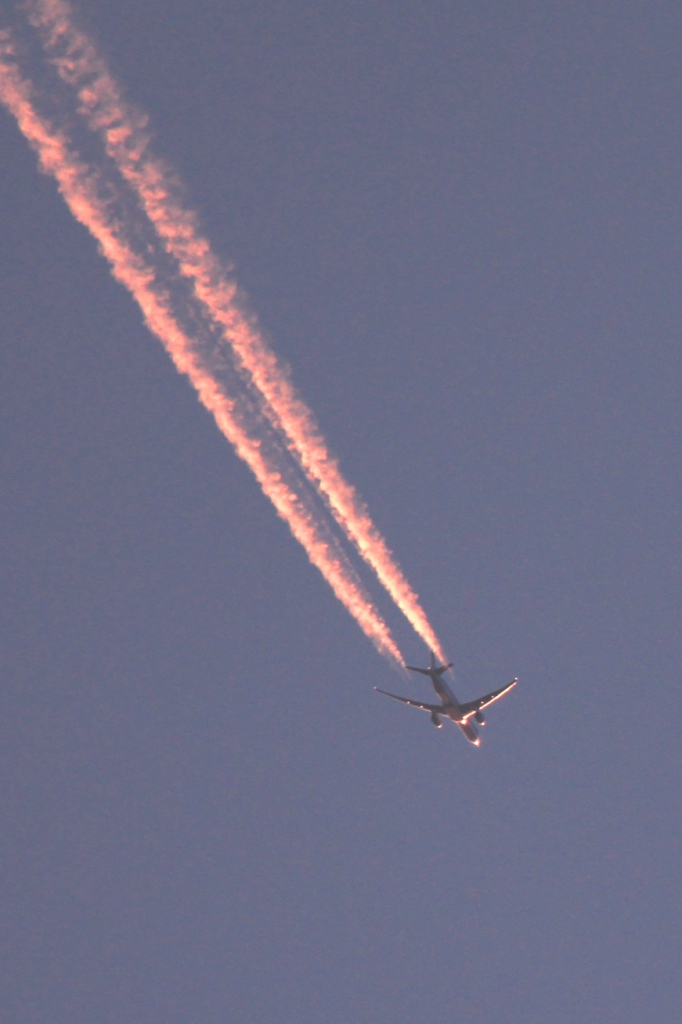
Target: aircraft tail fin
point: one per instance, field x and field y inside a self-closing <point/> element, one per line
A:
<point x="433" y="668"/>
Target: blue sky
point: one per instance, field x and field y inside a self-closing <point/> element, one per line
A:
<point x="460" y="225"/>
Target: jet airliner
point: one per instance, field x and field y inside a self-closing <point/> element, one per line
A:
<point x="450" y="707"/>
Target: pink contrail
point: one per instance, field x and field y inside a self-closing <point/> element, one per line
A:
<point x="124" y="132"/>
<point x="78" y="186"/>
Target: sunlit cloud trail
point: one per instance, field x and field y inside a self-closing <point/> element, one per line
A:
<point x="123" y="130"/>
<point x="79" y="186"/>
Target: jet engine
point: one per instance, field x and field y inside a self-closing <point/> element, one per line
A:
<point x="435" y="719"/>
<point x="479" y="718"/>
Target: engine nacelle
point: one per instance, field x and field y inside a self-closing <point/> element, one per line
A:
<point x="479" y="718"/>
<point x="435" y="720"/>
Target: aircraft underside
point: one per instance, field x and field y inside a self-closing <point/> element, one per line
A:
<point x="460" y="714"/>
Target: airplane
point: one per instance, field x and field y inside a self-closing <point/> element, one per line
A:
<point x="450" y="707"/>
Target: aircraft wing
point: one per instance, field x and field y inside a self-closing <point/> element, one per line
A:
<point x="490" y="698"/>
<point x="412" y="703"/>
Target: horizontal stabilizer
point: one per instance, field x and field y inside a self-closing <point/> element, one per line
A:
<point x="438" y="671"/>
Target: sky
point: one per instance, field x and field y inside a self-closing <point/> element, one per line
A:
<point x="459" y="224"/>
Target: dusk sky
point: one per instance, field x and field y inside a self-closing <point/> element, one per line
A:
<point x="460" y="225"/>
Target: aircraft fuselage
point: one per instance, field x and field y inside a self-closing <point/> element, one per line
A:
<point x="450" y="707"/>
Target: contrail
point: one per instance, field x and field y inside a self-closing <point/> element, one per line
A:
<point x="123" y="130"/>
<point x="80" y="187"/>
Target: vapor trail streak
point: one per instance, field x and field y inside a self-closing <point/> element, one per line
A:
<point x="124" y="132"/>
<point x="78" y="184"/>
